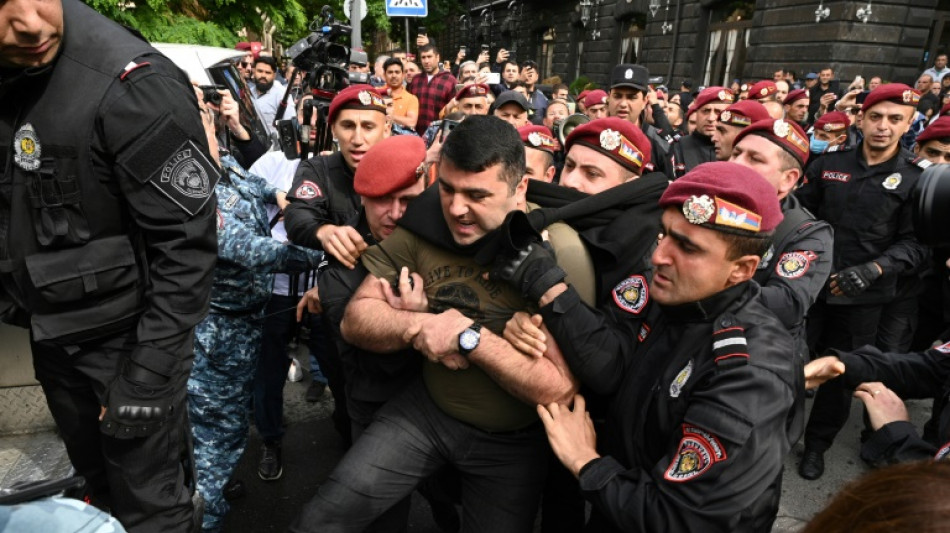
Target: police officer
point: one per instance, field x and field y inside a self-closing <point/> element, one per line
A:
<point x="228" y="340"/>
<point x="627" y="98"/>
<point x="106" y="246"/>
<point x="697" y="147"/>
<point x="322" y="199"/>
<point x="797" y="264"/>
<point x="766" y="93"/>
<point x="733" y="120"/>
<point x="796" y="107"/>
<point x="831" y="129"/>
<point x="865" y="194"/>
<point x="699" y="416"/>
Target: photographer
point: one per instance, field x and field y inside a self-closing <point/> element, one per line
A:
<point x="230" y="133"/>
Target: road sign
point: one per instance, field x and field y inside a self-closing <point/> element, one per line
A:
<point x="346" y="9"/>
<point x="407" y="8"/>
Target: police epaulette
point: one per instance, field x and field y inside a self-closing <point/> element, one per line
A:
<point x="729" y="344"/>
<point x="921" y="162"/>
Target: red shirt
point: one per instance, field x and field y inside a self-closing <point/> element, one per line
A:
<point x="432" y="95"/>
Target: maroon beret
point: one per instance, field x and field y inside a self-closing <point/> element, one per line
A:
<point x="938" y="129"/>
<point x="794" y="96"/>
<point x="785" y="133"/>
<point x="539" y="137"/>
<point x="897" y="93"/>
<point x="595" y="97"/>
<point x="584" y="93"/>
<point x="743" y="113"/>
<point x="356" y="97"/>
<point x="762" y="90"/>
<point x="711" y="95"/>
<point x="472" y="90"/>
<point x="727" y="197"/>
<point x="391" y="164"/>
<point x="834" y="122"/>
<point x="616" y="138"/>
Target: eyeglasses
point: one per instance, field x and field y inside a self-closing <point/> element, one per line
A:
<point x="245" y="64"/>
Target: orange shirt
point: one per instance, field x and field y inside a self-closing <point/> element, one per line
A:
<point x="404" y="102"/>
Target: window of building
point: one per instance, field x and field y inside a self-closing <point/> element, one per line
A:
<point x="728" y="42"/>
<point x="546" y="59"/>
<point x="631" y="36"/>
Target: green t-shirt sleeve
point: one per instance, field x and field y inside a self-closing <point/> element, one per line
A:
<point x="385" y="259"/>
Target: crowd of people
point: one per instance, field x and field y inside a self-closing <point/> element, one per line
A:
<point x="521" y="299"/>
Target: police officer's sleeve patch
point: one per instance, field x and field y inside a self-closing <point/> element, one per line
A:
<point x="942" y="452"/>
<point x="179" y="170"/>
<point x="698" y="450"/>
<point x="794" y="265"/>
<point x="307" y="190"/>
<point x="632" y="294"/>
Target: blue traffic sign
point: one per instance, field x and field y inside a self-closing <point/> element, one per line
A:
<point x="407" y="8"/>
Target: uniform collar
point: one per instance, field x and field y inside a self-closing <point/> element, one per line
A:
<point x="707" y="309"/>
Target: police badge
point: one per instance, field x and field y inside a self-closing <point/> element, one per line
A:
<point x="781" y="128"/>
<point x="676" y="387"/>
<point x="631" y="294"/>
<point x="699" y="209"/>
<point x="534" y="138"/>
<point x="365" y="98"/>
<point x="892" y="182"/>
<point x="27" y="148"/>
<point x="609" y="139"/>
<point x="725" y="115"/>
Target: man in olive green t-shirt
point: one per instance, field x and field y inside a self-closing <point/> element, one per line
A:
<point x="474" y="407"/>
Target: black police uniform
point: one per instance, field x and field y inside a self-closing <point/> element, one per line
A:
<point x="700" y="420"/>
<point x="322" y="193"/>
<point x="869" y="208"/>
<point x="660" y="149"/>
<point x="107" y="246"/>
<point x="795" y="268"/>
<point x="371" y="378"/>
<point x="622" y="268"/>
<point x="691" y="151"/>
<point x="924" y="374"/>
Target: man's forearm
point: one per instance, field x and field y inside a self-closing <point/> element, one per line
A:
<point x="371" y="324"/>
<point x="531" y="380"/>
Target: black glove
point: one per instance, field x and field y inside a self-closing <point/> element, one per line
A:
<point x="532" y="271"/>
<point x="135" y="409"/>
<point x="854" y="280"/>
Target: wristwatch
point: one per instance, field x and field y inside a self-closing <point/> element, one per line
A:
<point x="468" y="339"/>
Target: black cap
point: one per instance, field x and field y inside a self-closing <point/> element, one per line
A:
<point x="687" y="83"/>
<point x="508" y="97"/>
<point x="630" y="75"/>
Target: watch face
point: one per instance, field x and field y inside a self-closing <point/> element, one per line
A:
<point x="468" y="340"/>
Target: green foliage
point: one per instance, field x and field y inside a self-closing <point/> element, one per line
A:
<point x="582" y="83"/>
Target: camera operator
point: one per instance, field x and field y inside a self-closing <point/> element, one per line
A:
<point x="230" y="133"/>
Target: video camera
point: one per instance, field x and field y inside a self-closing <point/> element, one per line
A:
<point x="931" y="202"/>
<point x="323" y="63"/>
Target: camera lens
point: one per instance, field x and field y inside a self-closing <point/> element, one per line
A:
<point x="931" y="203"/>
<point x="212" y="96"/>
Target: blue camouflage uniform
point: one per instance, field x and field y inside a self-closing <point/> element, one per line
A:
<point x="228" y="340"/>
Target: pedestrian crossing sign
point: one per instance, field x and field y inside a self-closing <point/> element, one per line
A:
<point x="407" y="8"/>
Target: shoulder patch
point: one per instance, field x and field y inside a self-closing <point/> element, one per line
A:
<point x="794" y="265"/>
<point x="132" y="67"/>
<point x="632" y="294"/>
<point x="942" y="452"/>
<point x="187" y="178"/>
<point x="698" y="450"/>
<point x="308" y="190"/>
<point x="922" y="163"/>
<point x="729" y="346"/>
<point x="943" y="348"/>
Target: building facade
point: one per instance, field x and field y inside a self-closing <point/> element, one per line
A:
<point x="710" y="41"/>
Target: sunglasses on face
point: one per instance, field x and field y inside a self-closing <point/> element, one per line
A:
<point x="245" y="64"/>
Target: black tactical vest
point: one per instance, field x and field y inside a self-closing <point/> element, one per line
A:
<point x="69" y="256"/>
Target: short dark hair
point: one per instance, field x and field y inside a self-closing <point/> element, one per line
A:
<point x="558" y="86"/>
<point x="395" y="51"/>
<point x="742" y="245"/>
<point x="511" y="62"/>
<point x="393" y="61"/>
<point x="267" y="60"/>
<point x="483" y="141"/>
<point x="429" y="48"/>
<point x="483" y="65"/>
<point x="529" y="63"/>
